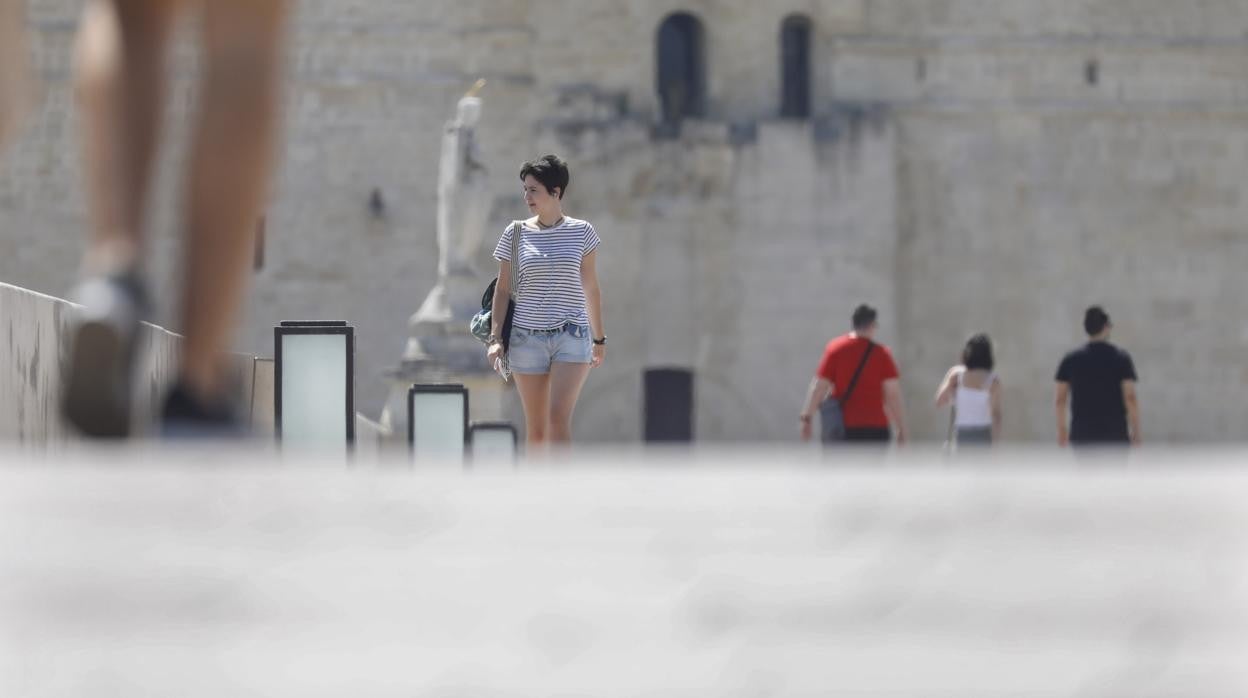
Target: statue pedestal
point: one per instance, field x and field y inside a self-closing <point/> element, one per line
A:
<point x="449" y="306"/>
<point x="489" y="397"/>
<point x="441" y="350"/>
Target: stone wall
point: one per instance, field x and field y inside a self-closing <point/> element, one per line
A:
<point x="1054" y="210"/>
<point x="34" y="349"/>
<point x="970" y="165"/>
<point x="35" y="335"/>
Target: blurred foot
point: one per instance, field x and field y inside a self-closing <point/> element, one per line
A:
<point x="189" y="416"/>
<point x="97" y="393"/>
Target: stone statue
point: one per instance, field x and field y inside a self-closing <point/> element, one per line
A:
<point x="463" y="206"/>
<point x="440" y="348"/>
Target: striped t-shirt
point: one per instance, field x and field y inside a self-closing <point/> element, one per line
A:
<point x="549" y="291"/>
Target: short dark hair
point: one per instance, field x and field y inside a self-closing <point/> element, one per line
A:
<point x="1095" y="320"/>
<point x="978" y="353"/>
<point x="864" y="317"/>
<point x="550" y="170"/>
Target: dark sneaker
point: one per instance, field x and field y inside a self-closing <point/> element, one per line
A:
<point x="102" y="355"/>
<point x="187" y="416"/>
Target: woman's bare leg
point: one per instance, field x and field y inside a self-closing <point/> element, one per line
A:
<point x="119" y="76"/>
<point x="228" y="183"/>
<point x="566" y="381"/>
<point x="12" y="65"/>
<point x="535" y="397"/>
<point x="120" y="83"/>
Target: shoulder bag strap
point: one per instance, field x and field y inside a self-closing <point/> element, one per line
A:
<point x="953" y="408"/>
<point x="853" y="382"/>
<point x="515" y="259"/>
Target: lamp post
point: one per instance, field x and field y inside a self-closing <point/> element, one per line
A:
<point x="493" y="442"/>
<point x="314" y="383"/>
<point x="437" y="421"/>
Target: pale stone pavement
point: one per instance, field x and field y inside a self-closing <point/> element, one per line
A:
<point x="760" y="573"/>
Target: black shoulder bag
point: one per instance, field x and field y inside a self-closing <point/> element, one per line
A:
<point x="482" y="321"/>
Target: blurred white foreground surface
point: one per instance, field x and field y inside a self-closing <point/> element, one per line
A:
<point x="763" y="574"/>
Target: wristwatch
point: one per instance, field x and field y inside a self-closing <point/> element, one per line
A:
<point x="492" y="340"/>
<point x="602" y="341"/>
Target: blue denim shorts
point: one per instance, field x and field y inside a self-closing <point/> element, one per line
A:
<point x="533" y="351"/>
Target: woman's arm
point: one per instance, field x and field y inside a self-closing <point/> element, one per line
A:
<point x="593" y="304"/>
<point x="498" y="309"/>
<point x="944" y="394"/>
<point x="994" y="396"/>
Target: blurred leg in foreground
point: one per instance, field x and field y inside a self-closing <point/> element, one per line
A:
<point x="12" y="65"/>
<point x="121" y="57"/>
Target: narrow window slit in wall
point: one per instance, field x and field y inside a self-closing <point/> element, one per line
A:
<point x="795" y="60"/>
<point x="681" y="78"/>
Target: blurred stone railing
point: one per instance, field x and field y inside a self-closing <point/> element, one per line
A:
<point x="34" y="347"/>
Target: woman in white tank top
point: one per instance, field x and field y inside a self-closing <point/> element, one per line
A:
<point x="973" y="391"/>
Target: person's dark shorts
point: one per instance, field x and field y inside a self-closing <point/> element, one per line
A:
<point x="861" y="435"/>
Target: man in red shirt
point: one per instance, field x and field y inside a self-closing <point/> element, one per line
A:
<point x="876" y="398"/>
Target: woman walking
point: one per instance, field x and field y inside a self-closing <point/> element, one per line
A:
<point x="974" y="392"/>
<point x="557" y="333"/>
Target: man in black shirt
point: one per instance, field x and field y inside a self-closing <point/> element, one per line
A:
<point x="1098" y="381"/>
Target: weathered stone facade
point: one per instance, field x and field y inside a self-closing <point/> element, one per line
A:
<point x="970" y="165"/>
